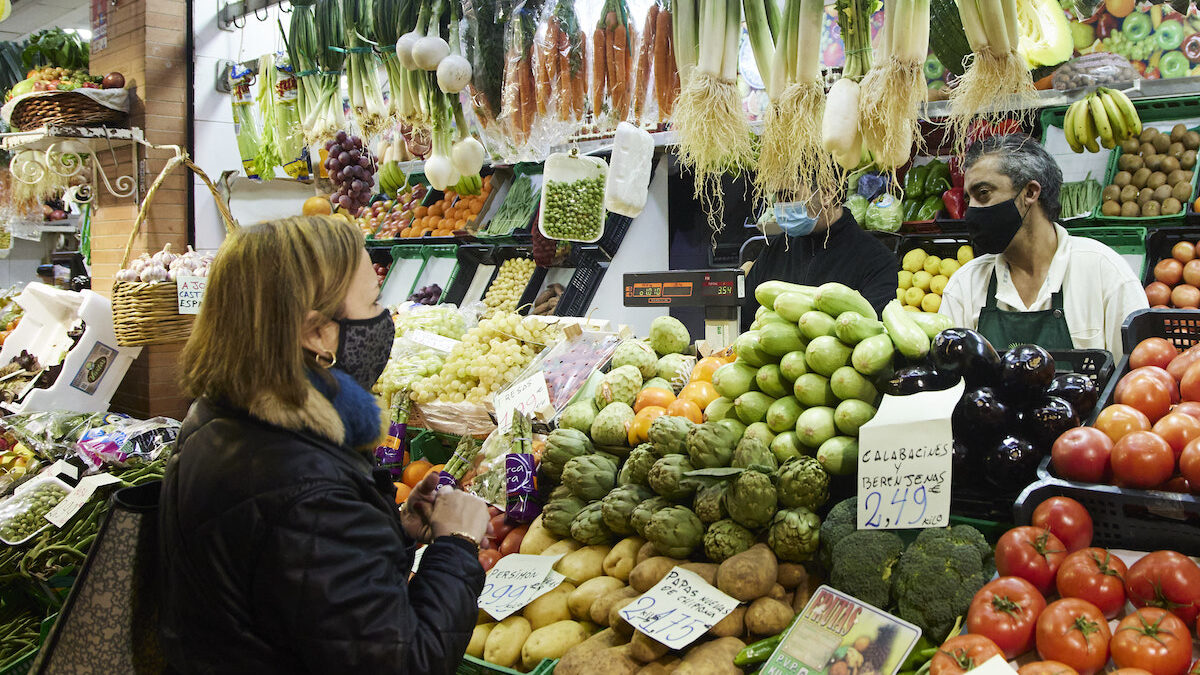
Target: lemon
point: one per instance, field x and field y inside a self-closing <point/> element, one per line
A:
<point x="914" y="296"/>
<point x="921" y="280"/>
<point x="931" y="302"/>
<point x="900" y="294"/>
<point x="965" y="254"/>
<point x="932" y="264"/>
<point x="910" y="308"/>
<point x="914" y="260"/>
<point x="938" y="284"/>
<point x="906" y="278"/>
<point x="948" y="267"/>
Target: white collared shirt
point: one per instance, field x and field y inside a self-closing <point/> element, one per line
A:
<point x="1099" y="291"/>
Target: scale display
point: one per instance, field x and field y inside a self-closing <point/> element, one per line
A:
<point x="685" y="288"/>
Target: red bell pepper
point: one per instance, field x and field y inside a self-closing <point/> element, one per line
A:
<point x="955" y="201"/>
<point x="956" y="172"/>
<point x="1006" y="126"/>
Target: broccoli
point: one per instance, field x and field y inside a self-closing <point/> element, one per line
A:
<point x="938" y="575"/>
<point x="841" y="521"/>
<point x="863" y="563"/>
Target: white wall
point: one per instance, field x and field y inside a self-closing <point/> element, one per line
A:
<point x="20" y="266"/>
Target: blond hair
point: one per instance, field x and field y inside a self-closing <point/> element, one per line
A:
<point x="265" y="280"/>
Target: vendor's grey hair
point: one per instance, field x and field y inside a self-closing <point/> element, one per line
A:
<point x="1022" y="159"/>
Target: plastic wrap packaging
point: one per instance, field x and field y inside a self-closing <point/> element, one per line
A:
<point x="17" y="464"/>
<point x="565" y="50"/>
<point x="484" y="40"/>
<point x="628" y="182"/>
<point x="453" y="418"/>
<point x="613" y="58"/>
<point x="240" y="79"/>
<point x="128" y="442"/>
<point x="568" y="364"/>
<point x="53" y="434"/>
<point x="488" y="479"/>
<point x="21" y="515"/>
<point x="1099" y="69"/>
<point x="572" y="207"/>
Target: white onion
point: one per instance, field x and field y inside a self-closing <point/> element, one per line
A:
<point x="467" y="156"/>
<point x="429" y="51"/>
<point x="453" y="74"/>
<point x="404" y="48"/>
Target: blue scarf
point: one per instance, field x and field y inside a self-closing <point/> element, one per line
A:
<point x="355" y="405"/>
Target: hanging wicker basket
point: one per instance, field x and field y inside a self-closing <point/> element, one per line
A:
<point x="63" y="108"/>
<point x="147" y="313"/>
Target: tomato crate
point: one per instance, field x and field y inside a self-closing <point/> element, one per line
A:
<point x="1160" y="241"/>
<point x="1128" y="242"/>
<point x="473" y="666"/>
<point x="1180" y="326"/>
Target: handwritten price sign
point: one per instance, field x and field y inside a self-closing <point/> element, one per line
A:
<point x="190" y="293"/>
<point x="527" y="396"/>
<point x="431" y="340"/>
<point x="516" y="581"/>
<point x="680" y="609"/>
<point x="904" y="460"/>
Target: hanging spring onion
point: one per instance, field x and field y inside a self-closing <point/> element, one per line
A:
<point x="328" y="117"/>
<point x="302" y="48"/>
<point x="389" y="18"/>
<point x="362" y="75"/>
<point x="893" y="91"/>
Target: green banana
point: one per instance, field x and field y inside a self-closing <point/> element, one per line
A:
<point x="1115" y="118"/>
<point x="1099" y="117"/>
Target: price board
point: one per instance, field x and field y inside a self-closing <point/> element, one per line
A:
<point x="527" y="396"/>
<point x="679" y="609"/>
<point x="685" y="288"/>
<point x="516" y="581"/>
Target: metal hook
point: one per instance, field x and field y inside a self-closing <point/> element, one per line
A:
<point x="262" y="18"/>
<point x="285" y="11"/>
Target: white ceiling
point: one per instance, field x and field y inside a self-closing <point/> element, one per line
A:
<point x="30" y="16"/>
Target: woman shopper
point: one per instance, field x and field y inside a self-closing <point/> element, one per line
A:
<point x="282" y="551"/>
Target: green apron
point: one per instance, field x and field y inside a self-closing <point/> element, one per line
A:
<point x="1046" y="329"/>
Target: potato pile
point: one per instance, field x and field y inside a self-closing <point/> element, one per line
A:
<point x="1154" y="176"/>
<point x="601" y="580"/>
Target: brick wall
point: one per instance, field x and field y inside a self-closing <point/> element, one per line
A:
<point x="146" y="42"/>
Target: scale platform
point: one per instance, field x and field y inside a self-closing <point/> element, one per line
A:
<point x="719" y="291"/>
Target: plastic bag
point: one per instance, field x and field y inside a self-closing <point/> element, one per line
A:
<point x="568" y="364"/>
<point x="628" y="183"/>
<point x="613" y="42"/>
<point x="128" y="442"/>
<point x="565" y="58"/>
<point x="884" y="214"/>
<point x="1097" y="69"/>
<point x="572" y="207"/>
<point x="53" y="434"/>
<point x="240" y="79"/>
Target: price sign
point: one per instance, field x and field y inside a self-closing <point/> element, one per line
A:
<point x="904" y="461"/>
<point x="64" y="468"/>
<point x="997" y="665"/>
<point x="432" y="340"/>
<point x="60" y="514"/>
<point x="516" y="581"/>
<point x="526" y="396"/>
<point x="679" y="609"/>
<point x="190" y="293"/>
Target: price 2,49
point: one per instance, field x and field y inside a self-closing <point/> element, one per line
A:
<point x="899" y="507"/>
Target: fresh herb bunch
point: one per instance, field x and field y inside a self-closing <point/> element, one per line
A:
<point x="56" y="47"/>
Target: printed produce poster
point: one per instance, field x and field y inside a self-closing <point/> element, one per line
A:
<point x="840" y="635"/>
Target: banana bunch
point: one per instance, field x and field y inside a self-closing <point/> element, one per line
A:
<point x="1103" y="119"/>
<point x="392" y="180"/>
<point x="469" y="185"/>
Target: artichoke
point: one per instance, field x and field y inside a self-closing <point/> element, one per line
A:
<point x="637" y="465"/>
<point x="753" y="452"/>
<point x="620" y="385"/>
<point x="559" y="513"/>
<point x="751" y="499"/>
<point x="669" y="435"/>
<point x="559" y="492"/>
<point x="590" y="477"/>
<point x="803" y="482"/>
<point x="795" y="534"/>
<point x="711" y="444"/>
<point x="588" y="526"/>
<point x="710" y="502"/>
<point x="563" y="445"/>
<point x="675" y="531"/>
<point x="618" y="507"/>
<point x="667" y="477"/>
<point x="642" y="513"/>
<point x="725" y="539"/>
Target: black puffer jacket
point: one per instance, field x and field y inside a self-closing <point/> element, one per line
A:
<point x="282" y="553"/>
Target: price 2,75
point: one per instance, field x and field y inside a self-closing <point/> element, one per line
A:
<point x="670" y="626"/>
<point x="896" y="507"/>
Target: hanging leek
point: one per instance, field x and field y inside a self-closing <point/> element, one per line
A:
<point x="893" y="91"/>
<point x="362" y="75"/>
<point x="327" y="117"/>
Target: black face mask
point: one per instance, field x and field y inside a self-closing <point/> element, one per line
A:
<point x="992" y="228"/>
<point x="364" y="346"/>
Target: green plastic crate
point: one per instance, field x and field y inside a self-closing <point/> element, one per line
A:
<point x="473" y="666"/>
<point x="406" y="252"/>
<point x="1126" y="241"/>
<point x="23" y="663"/>
<point x="443" y="251"/>
<point x="1172" y="219"/>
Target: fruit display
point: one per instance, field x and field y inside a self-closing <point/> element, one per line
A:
<point x="1177" y="278"/>
<point x="547" y="301"/>
<point x="1105" y="69"/>
<point x="450" y="213"/>
<point x="426" y="295"/>
<point x="387" y="219"/>
<point x="17" y="462"/>
<point x="165" y="265"/>
<point x="506" y="289"/>
<point x="21" y="515"/>
<point x="380" y="272"/>
<point x="1155" y="174"/>
<point x="351" y="168"/>
<point x="517" y="210"/>
<point x="1105" y="115"/>
<point x="410" y="361"/>
<point x="923" y="277"/>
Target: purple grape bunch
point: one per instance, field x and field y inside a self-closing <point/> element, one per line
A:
<point x="352" y="170"/>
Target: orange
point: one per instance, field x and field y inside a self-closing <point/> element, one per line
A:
<point x="436" y="468"/>
<point x="653" y="396"/>
<point x="705" y="368"/>
<point x="699" y="392"/>
<point x="683" y="407"/>
<point x="402" y="492"/>
<point x="639" y="429"/>
<point x="317" y="206"/>
<point x="414" y="472"/>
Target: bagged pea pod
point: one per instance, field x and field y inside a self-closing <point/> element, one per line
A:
<point x="572" y="207"/>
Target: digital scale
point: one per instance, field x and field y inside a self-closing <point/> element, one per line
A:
<point x="719" y="292"/>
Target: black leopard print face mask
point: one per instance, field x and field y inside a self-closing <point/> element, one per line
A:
<point x="364" y="346"/>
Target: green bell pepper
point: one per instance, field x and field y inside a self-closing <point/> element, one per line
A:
<point x="937" y="175"/>
<point x="910" y="208"/>
<point x="914" y="182"/>
<point x="930" y="207"/>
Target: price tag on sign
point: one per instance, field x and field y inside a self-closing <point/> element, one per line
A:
<point x="75" y="499"/>
<point x="679" y="609"/>
<point x="527" y="396"/>
<point x="431" y="340"/>
<point x="190" y="293"/>
<point x="904" y="460"/>
<point x="516" y="581"/>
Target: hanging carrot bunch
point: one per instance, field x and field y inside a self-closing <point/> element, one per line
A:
<point x="612" y="62"/>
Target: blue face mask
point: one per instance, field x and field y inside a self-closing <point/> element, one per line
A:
<point x="793" y="219"/>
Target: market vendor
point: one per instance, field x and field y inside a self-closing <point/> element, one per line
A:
<point x="822" y="242"/>
<point x="1032" y="281"/>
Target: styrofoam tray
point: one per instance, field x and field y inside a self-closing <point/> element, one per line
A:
<point x="19" y="501"/>
<point x="563" y="168"/>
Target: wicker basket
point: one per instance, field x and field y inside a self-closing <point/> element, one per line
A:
<point x="66" y="108"/>
<point x="147" y="313"/>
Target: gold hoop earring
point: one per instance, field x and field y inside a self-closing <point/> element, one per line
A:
<point x="332" y="360"/>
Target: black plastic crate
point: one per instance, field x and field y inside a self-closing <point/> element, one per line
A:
<point x="470" y="257"/>
<point x="941" y="245"/>
<point x="589" y="271"/>
<point x="616" y="227"/>
<point x="1180" y="326"/>
<point x="503" y="253"/>
<point x="1159" y="242"/>
<point x="1097" y="364"/>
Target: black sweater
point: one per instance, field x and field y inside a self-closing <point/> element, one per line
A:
<point x="850" y="256"/>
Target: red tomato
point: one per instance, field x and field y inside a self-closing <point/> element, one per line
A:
<point x="488" y="558"/>
<point x="1191" y="272"/>
<point x="499" y="527"/>
<point x="962" y="653"/>
<point x="1145" y="392"/>
<point x="1189" y="384"/>
<point x="1177" y="429"/>
<point x="1181" y="363"/>
<point x="1152" y="639"/>
<point x="1169" y="271"/>
<point x="1032" y="554"/>
<point x="1189" y="464"/>
<point x="1046" y="668"/>
<point x="1164" y="376"/>
<point x="1129" y="671"/>
<point x="1158" y="293"/>
<point x="1165" y="579"/>
<point x="1095" y="575"/>
<point x="1185" y="296"/>
<point x="1117" y="420"/>
<point x="1067" y="520"/>
<point x="1082" y="454"/>
<point x="1142" y="459"/>
<point x="1005" y="610"/>
<point x="1154" y="351"/>
<point x="1191" y="408"/>
<point x="1183" y="251"/>
<point x="1074" y="631"/>
<point x="512" y="541"/>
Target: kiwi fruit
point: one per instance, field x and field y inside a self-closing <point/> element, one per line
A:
<point x="1181" y="191"/>
<point x="1175" y="150"/>
<point x="1123" y="162"/>
<point x="1111" y="193"/>
<point x="1177" y="132"/>
<point x="1161" y="143"/>
<point x="1129" y="145"/>
<point x="1135" y="162"/>
<point x="1150" y="209"/>
<point x="1176" y="177"/>
<point x="1147" y="149"/>
<point x="1169" y="164"/>
<point x="1130" y="210"/>
<point x="1111" y="209"/>
<point x="1162" y="192"/>
<point x="1188" y="161"/>
<point x="1129" y="193"/>
<point x="1153" y="162"/>
<point x="1171" y="206"/>
<point x="1144" y="195"/>
<point x="1140" y="177"/>
<point x="1148" y="134"/>
<point x="1191" y="140"/>
<point x="1156" y="179"/>
<point x="1122" y="178"/>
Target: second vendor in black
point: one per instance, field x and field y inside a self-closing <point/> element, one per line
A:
<point x="836" y="249"/>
